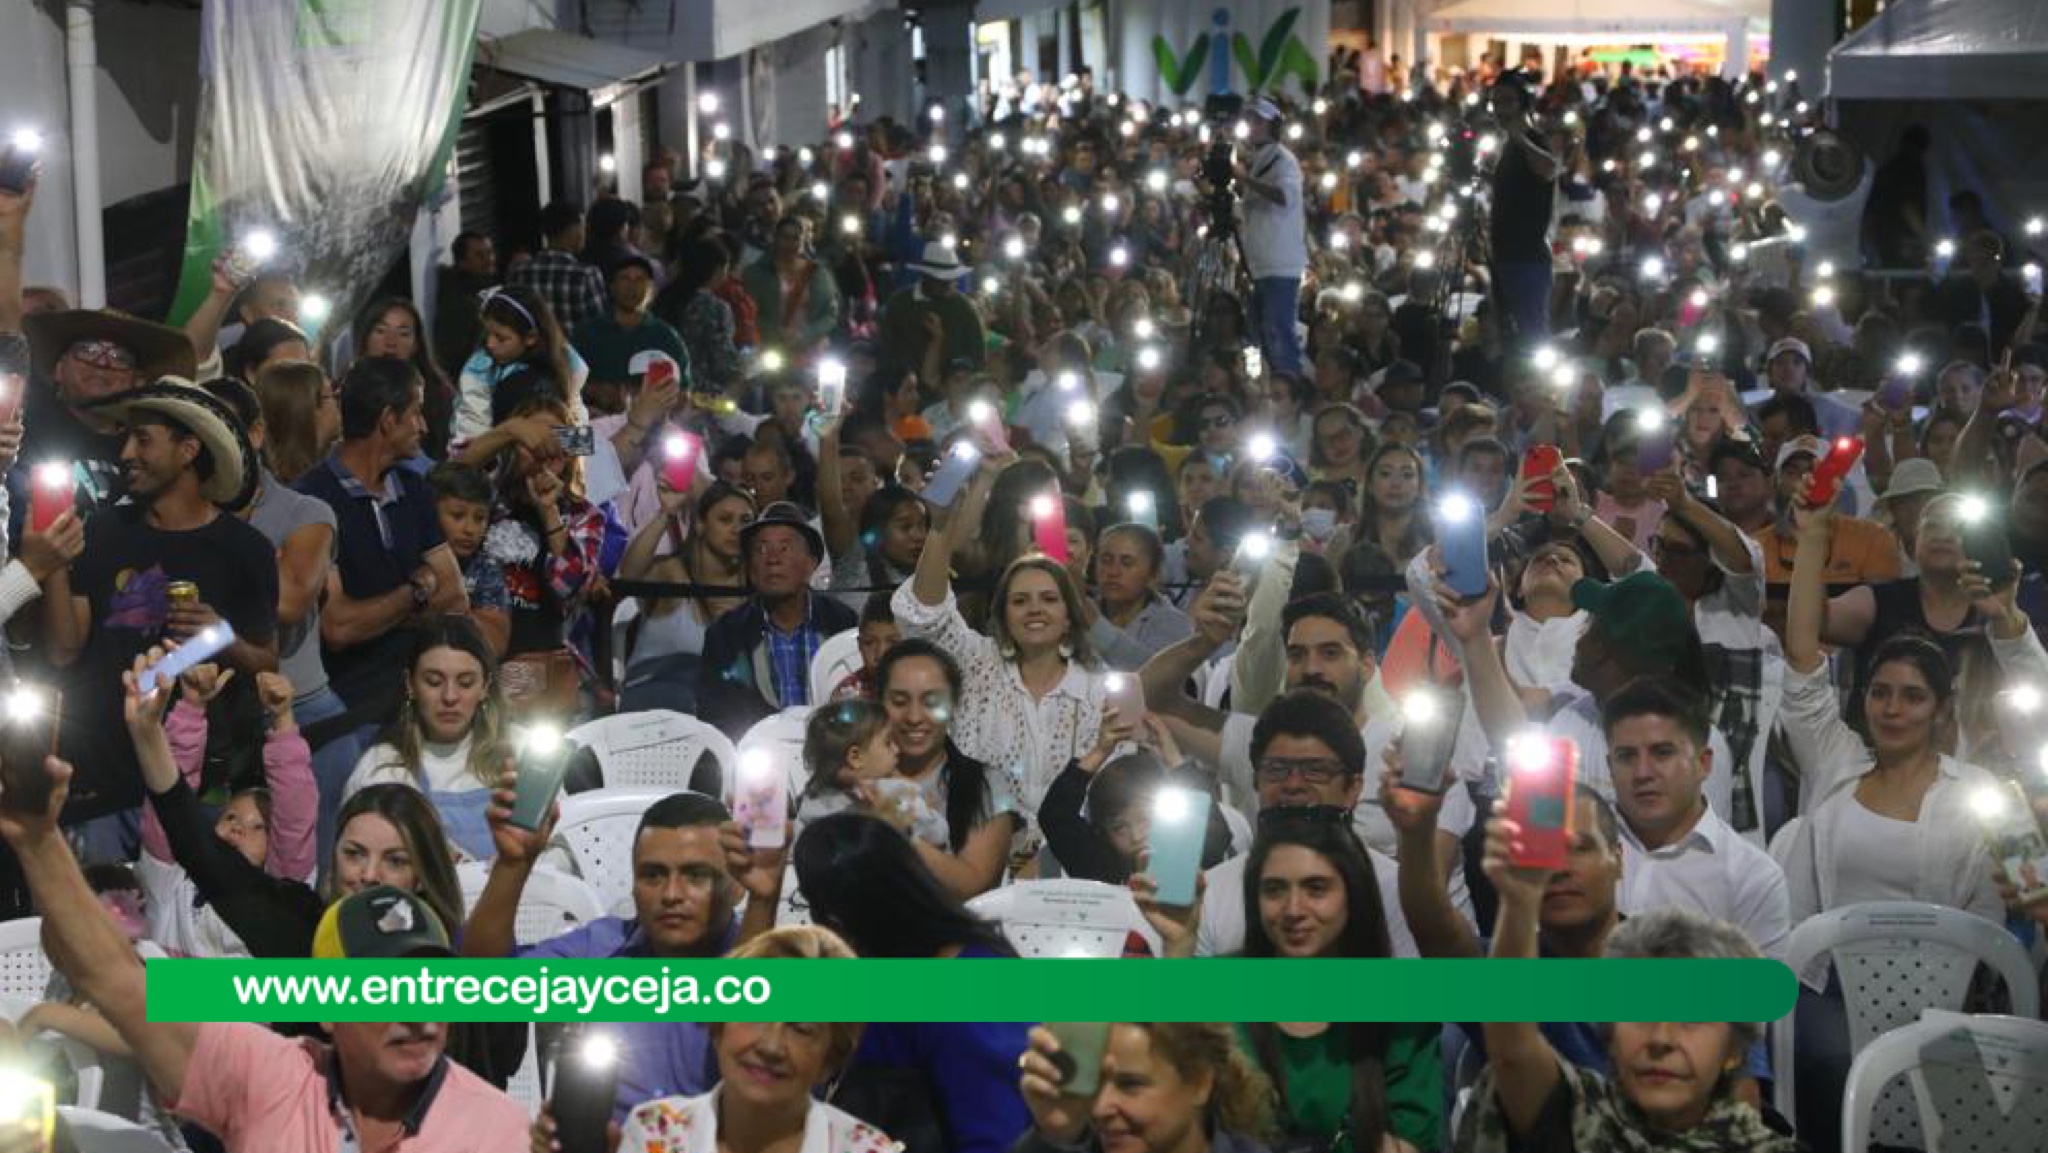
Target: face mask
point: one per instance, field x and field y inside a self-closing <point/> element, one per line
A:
<point x="1319" y="523"/>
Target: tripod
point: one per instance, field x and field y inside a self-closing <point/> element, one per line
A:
<point x="1217" y="266"/>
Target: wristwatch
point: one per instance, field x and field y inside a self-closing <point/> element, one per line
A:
<point x="421" y="594"/>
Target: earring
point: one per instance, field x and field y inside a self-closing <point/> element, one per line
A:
<point x="1066" y="650"/>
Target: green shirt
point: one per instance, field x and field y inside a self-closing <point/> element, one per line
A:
<point x="609" y="348"/>
<point x="1315" y="1076"/>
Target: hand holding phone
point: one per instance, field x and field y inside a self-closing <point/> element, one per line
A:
<point x="1461" y="541"/>
<point x="30" y="720"/>
<point x="1830" y="470"/>
<point x="1429" y="731"/>
<point x="952" y="475"/>
<point x="1542" y="774"/>
<point x="1079" y="1059"/>
<point x="197" y="649"/>
<point x="18" y="161"/>
<point x="761" y="800"/>
<point x="1124" y="696"/>
<point x="54" y="492"/>
<point x="1542" y="463"/>
<point x="679" y="452"/>
<point x="1180" y="827"/>
<point x="1658" y="444"/>
<point x="585" y="1090"/>
<point x="543" y="763"/>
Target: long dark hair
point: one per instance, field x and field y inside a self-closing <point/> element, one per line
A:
<point x="865" y="881"/>
<point x="522" y="310"/>
<point x="439" y="396"/>
<point x="964" y="781"/>
<point x="1364" y="936"/>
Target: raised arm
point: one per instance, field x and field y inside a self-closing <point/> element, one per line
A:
<point x="1494" y="698"/>
<point x="294" y="794"/>
<point x="1807" y="606"/>
<point x="1729" y="546"/>
<point x="1525" y="1068"/>
<point x="1617" y="553"/>
<point x="932" y="582"/>
<point x="85" y="944"/>
<point x="14" y="209"/>
<point x="489" y="932"/>
<point x="202" y="328"/>
<point x="1440" y="931"/>
<point x="842" y="525"/>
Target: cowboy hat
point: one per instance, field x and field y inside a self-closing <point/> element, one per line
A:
<point x="940" y="262"/>
<point x="207" y="417"/>
<point x="159" y="350"/>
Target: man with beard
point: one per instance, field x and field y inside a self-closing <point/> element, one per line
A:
<point x="374" y="1086"/>
<point x="1329" y="652"/>
<point x="185" y="460"/>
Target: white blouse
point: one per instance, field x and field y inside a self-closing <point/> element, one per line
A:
<point x="690" y="1125"/>
<point x="1824" y="866"/>
<point x="998" y="721"/>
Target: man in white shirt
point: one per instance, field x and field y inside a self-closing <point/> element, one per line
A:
<point x="1652" y="351"/>
<point x="1676" y="851"/>
<point x="1275" y="236"/>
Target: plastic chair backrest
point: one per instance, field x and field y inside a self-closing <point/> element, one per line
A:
<point x="594" y="839"/>
<point x="1066" y="918"/>
<point x="24" y="968"/>
<point x="657" y="749"/>
<point x="552" y="903"/>
<point x="1978" y="1084"/>
<point x="1894" y="960"/>
<point x="838" y="658"/>
<point x="96" y="1132"/>
<point x="624" y="614"/>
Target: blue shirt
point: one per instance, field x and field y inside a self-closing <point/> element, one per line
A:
<point x="656" y="1058"/>
<point x="971" y="1069"/>
<point x="789" y="656"/>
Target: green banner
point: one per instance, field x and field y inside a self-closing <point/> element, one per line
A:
<point x="979" y="990"/>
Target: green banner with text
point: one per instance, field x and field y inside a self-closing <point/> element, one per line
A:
<point x="979" y="990"/>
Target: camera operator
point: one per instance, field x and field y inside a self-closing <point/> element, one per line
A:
<point x="1275" y="236"/>
<point x="1524" y="191"/>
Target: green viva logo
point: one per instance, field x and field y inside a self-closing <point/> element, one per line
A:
<point x="1281" y="54"/>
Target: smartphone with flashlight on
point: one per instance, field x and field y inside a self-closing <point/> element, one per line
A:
<point x="1832" y="468"/>
<point x="18" y="162"/>
<point x="54" y="492"/>
<point x="1984" y="539"/>
<point x="952" y="475"/>
<point x="30" y="716"/>
<point x="985" y="424"/>
<point x="1542" y="772"/>
<point x="1461" y="541"/>
<point x="543" y="763"/>
<point x="1180" y="825"/>
<point x="2014" y="838"/>
<point x="1658" y="446"/>
<point x="576" y="439"/>
<point x="761" y="800"/>
<point x="1250" y="558"/>
<point x="29" y="1102"/>
<point x="586" y="1085"/>
<point x="197" y="649"/>
<point x="1429" y="730"/>
<point x="1079" y="1060"/>
<point x="679" y="451"/>
<point x="1124" y="696"/>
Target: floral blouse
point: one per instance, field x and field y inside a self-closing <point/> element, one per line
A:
<point x="708" y="326"/>
<point x="997" y="720"/>
<point x="543" y="588"/>
<point x="690" y="1125"/>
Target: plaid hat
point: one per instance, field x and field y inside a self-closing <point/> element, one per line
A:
<point x="1643" y="608"/>
<point x="1812" y="446"/>
<point x="379" y="923"/>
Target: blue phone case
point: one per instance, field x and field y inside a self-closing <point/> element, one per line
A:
<point x="1176" y="851"/>
<point x="196" y="651"/>
<point x="953" y="474"/>
<point x="1463" y="545"/>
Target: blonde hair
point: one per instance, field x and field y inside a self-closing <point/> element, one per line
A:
<point x="806" y="943"/>
<point x="1242" y="1100"/>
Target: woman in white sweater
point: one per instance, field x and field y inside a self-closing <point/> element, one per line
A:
<point x="1891" y="819"/>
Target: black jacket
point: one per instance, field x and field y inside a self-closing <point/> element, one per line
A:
<point x="735" y="686"/>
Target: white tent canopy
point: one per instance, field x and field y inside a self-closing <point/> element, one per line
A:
<point x="1600" y="20"/>
<point x="1946" y="50"/>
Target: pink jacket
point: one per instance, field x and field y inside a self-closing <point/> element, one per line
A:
<point x="294" y="796"/>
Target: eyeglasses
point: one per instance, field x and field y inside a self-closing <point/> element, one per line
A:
<point x="1316" y="771"/>
<point x="103" y="354"/>
<point x="1303" y="815"/>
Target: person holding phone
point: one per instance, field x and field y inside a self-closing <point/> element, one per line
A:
<point x="702" y="547"/>
<point x="798" y="299"/>
<point x="1033" y="686"/>
<point x="1162" y="1088"/>
<point x="1132" y="619"/>
<point x="1310" y="892"/>
<point x="449" y="740"/>
<point x="612" y="340"/>
<point x="1098" y="812"/>
<point x="1666" y="1082"/>
<point x="1862" y="799"/>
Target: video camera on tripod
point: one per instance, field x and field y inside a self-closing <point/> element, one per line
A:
<point x="1218" y="172"/>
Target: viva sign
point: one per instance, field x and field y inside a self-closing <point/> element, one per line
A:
<point x="1181" y="51"/>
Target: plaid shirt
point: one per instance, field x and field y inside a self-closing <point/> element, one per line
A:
<point x="789" y="657"/>
<point x="573" y="290"/>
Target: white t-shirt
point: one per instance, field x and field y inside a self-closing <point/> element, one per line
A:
<point x="443" y="769"/>
<point x="1275" y="235"/>
<point x="1714" y="872"/>
<point x="183" y="931"/>
<point x="1221" y="932"/>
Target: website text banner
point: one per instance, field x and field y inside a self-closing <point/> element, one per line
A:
<point x="976" y="990"/>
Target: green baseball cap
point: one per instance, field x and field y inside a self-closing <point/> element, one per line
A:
<point x="1641" y="610"/>
<point x="380" y="923"/>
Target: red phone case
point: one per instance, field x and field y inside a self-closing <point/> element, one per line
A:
<point x="1828" y="472"/>
<point x="1540" y="802"/>
<point x="48" y="502"/>
<point x="659" y="372"/>
<point x="680" y="470"/>
<point x="1542" y="460"/>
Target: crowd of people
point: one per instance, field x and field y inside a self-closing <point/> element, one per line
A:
<point x="1129" y="442"/>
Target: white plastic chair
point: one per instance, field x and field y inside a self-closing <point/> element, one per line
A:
<point x="1066" y="918"/>
<point x="656" y="749"/>
<point x="1240" y="827"/>
<point x="624" y="614"/>
<point x="24" y="968"/>
<point x="553" y="902"/>
<point x="1895" y="960"/>
<point x="838" y="658"/>
<point x="781" y="736"/>
<point x="96" y="1132"/>
<point x="1979" y="1084"/>
<point x="594" y="839"/>
<point x="85" y="1061"/>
